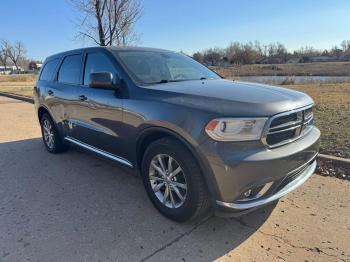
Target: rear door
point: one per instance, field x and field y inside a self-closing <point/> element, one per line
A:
<point x="64" y="90"/>
<point x="45" y="82"/>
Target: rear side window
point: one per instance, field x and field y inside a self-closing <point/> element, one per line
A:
<point x="48" y="70"/>
<point x="70" y="69"/>
<point x="95" y="63"/>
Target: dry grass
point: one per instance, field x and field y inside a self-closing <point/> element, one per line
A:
<point x="17" y="84"/>
<point x="19" y="88"/>
<point x="332" y="115"/>
<point x="302" y="69"/>
<point x="30" y="78"/>
<point x="332" y="110"/>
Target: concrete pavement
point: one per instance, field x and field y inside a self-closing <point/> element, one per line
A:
<point x="79" y="207"/>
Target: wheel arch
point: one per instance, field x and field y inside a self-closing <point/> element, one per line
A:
<point x="152" y="134"/>
<point x="41" y="111"/>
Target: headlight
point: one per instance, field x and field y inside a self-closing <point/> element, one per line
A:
<point x="235" y="129"/>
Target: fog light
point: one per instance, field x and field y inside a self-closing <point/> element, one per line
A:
<point x="247" y="193"/>
<point x="255" y="192"/>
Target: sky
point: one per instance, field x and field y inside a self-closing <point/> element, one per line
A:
<point x="50" y="26"/>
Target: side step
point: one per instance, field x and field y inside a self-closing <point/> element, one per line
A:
<point x="99" y="151"/>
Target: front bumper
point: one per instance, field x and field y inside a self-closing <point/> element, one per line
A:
<point x="238" y="167"/>
<point x="299" y="180"/>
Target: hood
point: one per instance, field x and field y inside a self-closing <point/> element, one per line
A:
<point x="232" y="98"/>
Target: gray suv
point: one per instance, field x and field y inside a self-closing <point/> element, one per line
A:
<point x="199" y="142"/>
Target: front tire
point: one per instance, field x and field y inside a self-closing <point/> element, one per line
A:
<point x="51" y="137"/>
<point x="173" y="181"/>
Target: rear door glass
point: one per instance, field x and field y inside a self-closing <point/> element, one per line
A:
<point x="70" y="69"/>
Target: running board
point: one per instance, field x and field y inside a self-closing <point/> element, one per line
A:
<point x="98" y="151"/>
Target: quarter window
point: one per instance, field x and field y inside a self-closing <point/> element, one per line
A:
<point x="70" y="69"/>
<point x="96" y="62"/>
<point x="48" y="70"/>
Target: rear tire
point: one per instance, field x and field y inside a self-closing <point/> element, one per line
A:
<point x="51" y="137"/>
<point x="186" y="195"/>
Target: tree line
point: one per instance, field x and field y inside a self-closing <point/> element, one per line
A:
<point x="274" y="53"/>
<point x="12" y="54"/>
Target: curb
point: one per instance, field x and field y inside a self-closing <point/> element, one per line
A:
<point x="18" y="97"/>
<point x="339" y="161"/>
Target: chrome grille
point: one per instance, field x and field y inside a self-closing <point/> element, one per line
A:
<point x="287" y="127"/>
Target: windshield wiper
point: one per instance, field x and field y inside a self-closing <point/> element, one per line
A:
<point x="163" y="81"/>
<point x="174" y="80"/>
<point x="166" y="81"/>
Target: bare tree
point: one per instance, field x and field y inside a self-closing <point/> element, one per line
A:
<point x="274" y="53"/>
<point x="5" y="48"/>
<point x="17" y="53"/>
<point x="213" y="56"/>
<point x="238" y="53"/>
<point x="198" y="56"/>
<point x="345" y="46"/>
<point x="108" y="22"/>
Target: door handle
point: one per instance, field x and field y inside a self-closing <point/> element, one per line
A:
<point x="50" y="92"/>
<point x="82" y="98"/>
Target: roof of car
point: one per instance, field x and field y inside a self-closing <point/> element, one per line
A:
<point x="114" y="48"/>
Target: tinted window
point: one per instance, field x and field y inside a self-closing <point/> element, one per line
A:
<point x="48" y="70"/>
<point x="70" y="69"/>
<point x="96" y="62"/>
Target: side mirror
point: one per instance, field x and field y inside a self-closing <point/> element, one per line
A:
<point x="102" y="80"/>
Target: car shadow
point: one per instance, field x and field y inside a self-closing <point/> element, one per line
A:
<point x="77" y="206"/>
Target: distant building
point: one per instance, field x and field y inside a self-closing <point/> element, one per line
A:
<point x="8" y="70"/>
<point x="34" y="66"/>
<point x="293" y="60"/>
<point x="345" y="57"/>
<point x="322" y="59"/>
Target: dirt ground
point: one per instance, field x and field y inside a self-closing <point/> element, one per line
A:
<point x="79" y="207"/>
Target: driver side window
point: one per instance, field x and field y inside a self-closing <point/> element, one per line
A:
<point x="97" y="62"/>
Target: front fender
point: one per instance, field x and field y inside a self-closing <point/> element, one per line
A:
<point x="168" y="129"/>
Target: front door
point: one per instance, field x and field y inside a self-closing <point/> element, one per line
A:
<point x="98" y="118"/>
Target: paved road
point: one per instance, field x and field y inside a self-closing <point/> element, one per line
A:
<point x="79" y="207"/>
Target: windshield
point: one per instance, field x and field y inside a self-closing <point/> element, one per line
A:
<point x="151" y="67"/>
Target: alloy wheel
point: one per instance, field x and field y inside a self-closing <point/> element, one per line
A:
<point x="48" y="133"/>
<point x="168" y="181"/>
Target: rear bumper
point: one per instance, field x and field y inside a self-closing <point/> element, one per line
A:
<point x="236" y="168"/>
